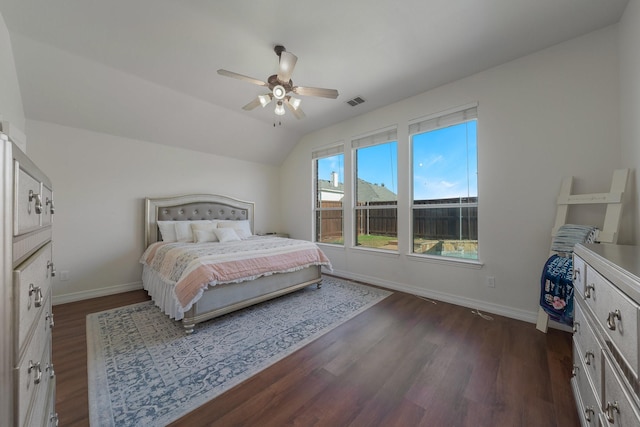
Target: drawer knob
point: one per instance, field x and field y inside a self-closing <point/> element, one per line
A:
<point x="576" y="327"/>
<point x="611" y="409"/>
<point x="51" y="267"/>
<point x="588" y="289"/>
<point x="38" y="202"/>
<point x="588" y="413"/>
<point x="38" y="297"/>
<point x="576" y="273"/>
<point x="588" y="356"/>
<point x="38" y="369"/>
<point x="611" y="319"/>
<point x="52" y="209"/>
<point x="52" y="373"/>
<point x="49" y="317"/>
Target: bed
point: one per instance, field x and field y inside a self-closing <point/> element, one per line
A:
<point x="205" y="270"/>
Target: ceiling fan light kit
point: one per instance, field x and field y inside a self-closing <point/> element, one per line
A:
<point x="279" y="92"/>
<point x="280" y="85"/>
<point x="279" y="109"/>
<point x="295" y="102"/>
<point x="265" y="99"/>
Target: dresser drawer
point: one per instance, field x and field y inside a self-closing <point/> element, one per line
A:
<point x="587" y="349"/>
<point x="32" y="283"/>
<point x="618" y="406"/>
<point x="38" y="413"/>
<point x="52" y="415"/>
<point x="586" y="399"/>
<point x="617" y="316"/>
<point x="32" y="372"/>
<point x="28" y="202"/>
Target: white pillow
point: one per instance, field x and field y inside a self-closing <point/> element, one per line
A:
<point x="204" y="232"/>
<point x="183" y="230"/>
<point x="242" y="227"/>
<point x="167" y="231"/>
<point x="226" y="234"/>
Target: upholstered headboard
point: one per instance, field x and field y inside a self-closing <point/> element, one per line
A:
<point x="192" y="207"/>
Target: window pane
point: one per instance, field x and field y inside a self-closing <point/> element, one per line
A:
<point x="377" y="228"/>
<point x="445" y="163"/>
<point x="376" y="189"/>
<point x="329" y="227"/>
<point x="376" y="172"/>
<point x="329" y="182"/>
<point x="445" y="191"/>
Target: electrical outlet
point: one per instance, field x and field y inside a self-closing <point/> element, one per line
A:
<point x="491" y="281"/>
<point x="64" y="275"/>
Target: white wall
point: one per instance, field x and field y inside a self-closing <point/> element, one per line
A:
<point x="100" y="182"/>
<point x="541" y="117"/>
<point x="10" y="99"/>
<point x="630" y="114"/>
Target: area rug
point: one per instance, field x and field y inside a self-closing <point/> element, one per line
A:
<point x="145" y="371"/>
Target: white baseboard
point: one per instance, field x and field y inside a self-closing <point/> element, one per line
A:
<point x="483" y="306"/>
<point x="95" y="293"/>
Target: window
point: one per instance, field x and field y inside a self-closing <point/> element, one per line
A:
<point x="376" y="188"/>
<point x="445" y="185"/>
<point x="329" y="185"/>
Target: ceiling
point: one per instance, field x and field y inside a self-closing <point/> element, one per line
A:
<point x="146" y="69"/>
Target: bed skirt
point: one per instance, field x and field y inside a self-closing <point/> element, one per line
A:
<point x="162" y="293"/>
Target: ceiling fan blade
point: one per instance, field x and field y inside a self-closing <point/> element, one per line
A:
<point x="315" y="91"/>
<point x="296" y="111"/>
<point x="253" y="104"/>
<point x="287" y="64"/>
<point x="242" y="77"/>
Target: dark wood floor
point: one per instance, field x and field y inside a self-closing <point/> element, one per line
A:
<point x="404" y="362"/>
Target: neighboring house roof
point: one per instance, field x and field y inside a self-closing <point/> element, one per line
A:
<point x="325" y="185"/>
<point x="367" y="192"/>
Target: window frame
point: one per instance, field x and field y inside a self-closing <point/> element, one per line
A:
<point x="371" y="139"/>
<point x="332" y="151"/>
<point x="433" y="122"/>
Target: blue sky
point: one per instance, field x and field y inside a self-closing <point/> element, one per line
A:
<point x="440" y="166"/>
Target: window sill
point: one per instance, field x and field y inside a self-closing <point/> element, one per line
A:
<point x="459" y="262"/>
<point x="374" y="251"/>
<point x="330" y="245"/>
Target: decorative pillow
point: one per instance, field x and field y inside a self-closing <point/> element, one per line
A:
<point x="226" y="234"/>
<point x="183" y="230"/>
<point x="167" y="231"/>
<point x="204" y="232"/>
<point x="242" y="227"/>
<point x="570" y="234"/>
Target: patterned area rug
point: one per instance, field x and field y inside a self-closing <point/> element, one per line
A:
<point x="145" y="371"/>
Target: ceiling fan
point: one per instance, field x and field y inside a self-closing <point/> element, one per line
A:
<point x="281" y="85"/>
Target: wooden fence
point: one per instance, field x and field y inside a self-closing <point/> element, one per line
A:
<point x="446" y="223"/>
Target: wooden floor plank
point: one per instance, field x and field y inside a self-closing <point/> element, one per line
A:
<point x="403" y="362"/>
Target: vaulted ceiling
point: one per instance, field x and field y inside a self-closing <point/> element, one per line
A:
<point x="146" y="69"/>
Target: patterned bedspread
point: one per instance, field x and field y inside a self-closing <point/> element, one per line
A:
<point x="192" y="267"/>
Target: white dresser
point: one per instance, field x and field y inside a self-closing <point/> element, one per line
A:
<point x="606" y="365"/>
<point x="27" y="384"/>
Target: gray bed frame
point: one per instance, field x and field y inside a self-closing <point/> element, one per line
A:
<point x="224" y="298"/>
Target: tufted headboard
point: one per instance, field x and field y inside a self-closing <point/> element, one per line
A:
<point x="192" y="207"/>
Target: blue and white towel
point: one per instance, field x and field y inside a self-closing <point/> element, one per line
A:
<point x="570" y="234"/>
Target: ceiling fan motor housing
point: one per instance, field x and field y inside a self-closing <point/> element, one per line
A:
<point x="273" y="82"/>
